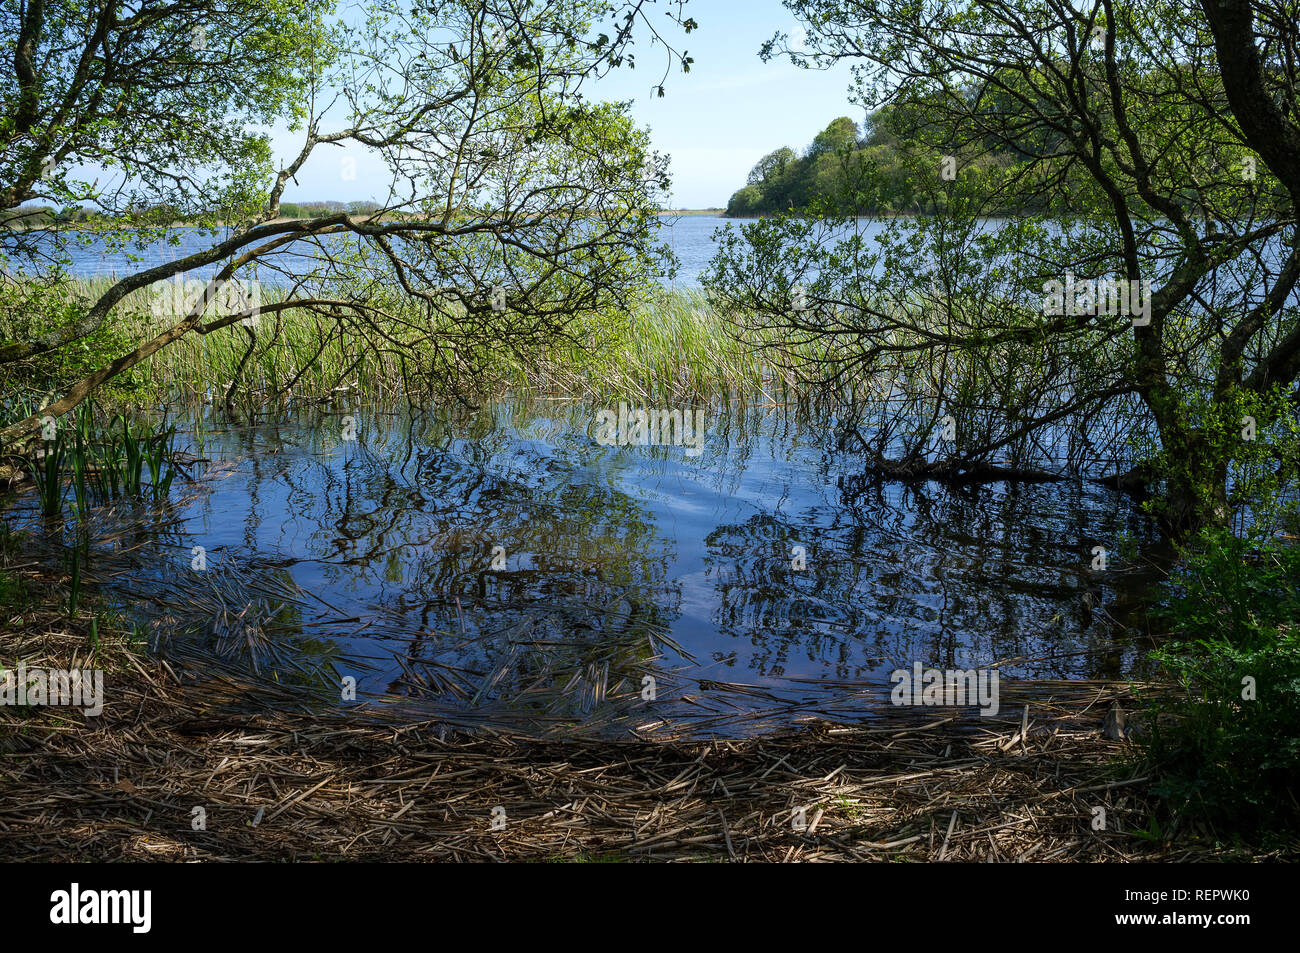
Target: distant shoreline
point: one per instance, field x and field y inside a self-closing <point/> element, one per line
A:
<point x="17" y="225"/>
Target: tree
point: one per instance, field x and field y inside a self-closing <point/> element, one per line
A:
<point x="1173" y="128"/>
<point x="157" y="91"/>
<point x="842" y="133"/>
<point x="878" y="131"/>
<point x="771" y="167"/>
<point x="505" y="185"/>
<point x="747" y="201"/>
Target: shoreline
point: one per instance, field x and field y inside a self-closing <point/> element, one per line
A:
<point x="177" y="769"/>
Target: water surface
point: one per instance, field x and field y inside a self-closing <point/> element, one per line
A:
<point x="502" y="564"/>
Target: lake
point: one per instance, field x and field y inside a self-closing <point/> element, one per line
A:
<point x="504" y="567"/>
<point x="689" y="236"/>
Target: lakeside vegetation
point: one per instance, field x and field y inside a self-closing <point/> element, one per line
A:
<point x="522" y="260"/>
<point x="895" y="165"/>
<point x="672" y="346"/>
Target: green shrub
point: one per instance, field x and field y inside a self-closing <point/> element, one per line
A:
<point x="1227" y="745"/>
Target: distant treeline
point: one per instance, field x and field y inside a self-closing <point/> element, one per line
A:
<point x="321" y="209"/>
<point x="43" y="216"/>
<point x="874" y="169"/>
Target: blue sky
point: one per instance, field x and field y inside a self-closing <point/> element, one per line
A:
<point x="715" y="122"/>
<point x="731" y="109"/>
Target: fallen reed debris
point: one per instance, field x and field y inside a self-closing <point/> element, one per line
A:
<point x="171" y="770"/>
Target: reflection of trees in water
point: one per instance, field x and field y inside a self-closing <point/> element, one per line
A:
<point x="247" y="619"/>
<point x="951" y="577"/>
<point x="408" y="520"/>
<point x="781" y="610"/>
<point x="400" y="528"/>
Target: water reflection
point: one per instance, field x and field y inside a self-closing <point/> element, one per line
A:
<point x="500" y="564"/>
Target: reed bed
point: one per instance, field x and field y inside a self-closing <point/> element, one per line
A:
<point x="673" y="345"/>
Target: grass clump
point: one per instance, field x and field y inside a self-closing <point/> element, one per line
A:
<point x="101" y="463"/>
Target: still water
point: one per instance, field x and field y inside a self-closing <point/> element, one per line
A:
<point x="502" y="565"/>
<point x="690" y="238"/>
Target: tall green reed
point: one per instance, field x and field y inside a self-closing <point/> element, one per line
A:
<point x="47" y="470"/>
<point x="115" y="462"/>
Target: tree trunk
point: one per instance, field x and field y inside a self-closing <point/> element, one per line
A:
<point x="1195" y="494"/>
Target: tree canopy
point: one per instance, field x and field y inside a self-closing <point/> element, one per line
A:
<point x="1137" y="325"/>
<point x="769" y="169"/>
<point x="513" y="204"/>
<point x="839" y="156"/>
